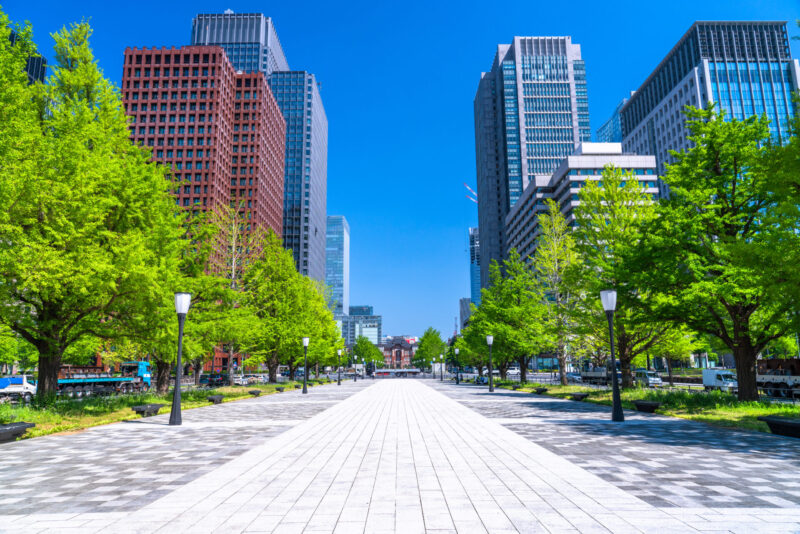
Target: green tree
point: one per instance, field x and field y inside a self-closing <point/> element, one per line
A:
<point x="366" y="350"/>
<point x="513" y="311"/>
<point x="555" y="259"/>
<point x="429" y="348"/>
<point x="81" y="205"/>
<point x="723" y="252"/>
<point x="609" y="224"/>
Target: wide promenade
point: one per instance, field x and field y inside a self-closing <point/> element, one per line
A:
<point x="402" y="456"/>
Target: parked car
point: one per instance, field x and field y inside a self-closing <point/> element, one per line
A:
<point x="514" y="372"/>
<point x="217" y="380"/>
<point x="647" y="379"/>
<point x="575" y="378"/>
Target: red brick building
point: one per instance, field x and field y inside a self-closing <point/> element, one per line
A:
<point x="221" y="131"/>
<point x="398" y="352"/>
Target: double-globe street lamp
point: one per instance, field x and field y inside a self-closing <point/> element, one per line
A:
<point x="609" y="300"/>
<point x="355" y="374"/>
<point x="182" y="303"/>
<point x="490" y="342"/>
<point x="339" y="367"/>
<point x="305" y="365"/>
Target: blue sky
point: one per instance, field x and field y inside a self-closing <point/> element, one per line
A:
<point x="398" y="79"/>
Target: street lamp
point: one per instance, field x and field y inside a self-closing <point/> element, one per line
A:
<point x="305" y="365"/>
<point x="433" y="370"/>
<point x="441" y="368"/>
<point x="364" y="368"/>
<point x="490" y="341"/>
<point x="355" y="374"/>
<point x="182" y="303"/>
<point x="339" y="367"/>
<point x="609" y="300"/>
<point x="457" y="367"/>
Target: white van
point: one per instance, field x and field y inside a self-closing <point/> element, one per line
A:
<point x="647" y="379"/>
<point x="721" y="379"/>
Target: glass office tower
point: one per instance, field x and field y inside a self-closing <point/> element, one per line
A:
<point x="474" y="267"/>
<point x="531" y="111"/>
<point x="337" y="262"/>
<point x="746" y="68"/>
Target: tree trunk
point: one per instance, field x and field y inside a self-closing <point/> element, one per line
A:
<point x="197" y="367"/>
<point x="272" y="368"/>
<point x="47" y="382"/>
<point x="480" y="370"/>
<point x="745" y="358"/>
<point x="230" y="365"/>
<point x="292" y="371"/>
<point x="316" y="370"/>
<point x="503" y="368"/>
<point x="669" y="372"/>
<point x="162" y="376"/>
<point x="562" y="363"/>
<point x="523" y="369"/>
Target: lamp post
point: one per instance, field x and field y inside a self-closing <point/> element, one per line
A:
<point x="433" y="370"/>
<point x="182" y="303"/>
<point x="441" y="368"/>
<point x="490" y="342"/>
<point x="355" y="374"/>
<point x="364" y="368"/>
<point x="457" y="367"/>
<point x="339" y="367"/>
<point x="305" y="365"/>
<point x="609" y="300"/>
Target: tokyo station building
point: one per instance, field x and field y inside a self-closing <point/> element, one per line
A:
<point x="219" y="130"/>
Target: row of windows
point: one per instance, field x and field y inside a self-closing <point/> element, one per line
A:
<point x="184" y="95"/>
<point x="183" y="84"/>
<point x="167" y="59"/>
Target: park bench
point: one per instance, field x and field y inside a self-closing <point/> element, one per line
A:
<point x="297" y="386"/>
<point x="515" y="387"/>
<point x="541" y="391"/>
<point x="646" y="406"/>
<point x="216" y="399"/>
<point x="578" y="396"/>
<point x="279" y="389"/>
<point x="12" y="431"/>
<point x="147" y="410"/>
<point x="782" y="426"/>
<point x="255" y="392"/>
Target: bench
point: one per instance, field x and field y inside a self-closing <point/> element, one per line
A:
<point x="541" y="391"/>
<point x="12" y="431"/>
<point x="279" y="389"/>
<point x="578" y="396"/>
<point x="646" y="406"/>
<point x="255" y="392"/>
<point x="147" y="410"/>
<point x="216" y="399"/>
<point x="515" y="387"/>
<point x="297" y="386"/>
<point x="782" y="426"/>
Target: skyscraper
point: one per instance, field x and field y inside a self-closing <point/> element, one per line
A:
<point x="746" y="68"/>
<point x="611" y="130"/>
<point x="531" y="111"/>
<point x="249" y="40"/>
<point x="306" y="171"/>
<point x="36" y="65"/>
<point x="220" y="131"/>
<point x="337" y="262"/>
<point x="474" y="267"/>
<point x="361" y="321"/>
<point x="253" y="44"/>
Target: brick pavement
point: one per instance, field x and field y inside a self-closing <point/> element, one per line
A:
<point x="390" y="456"/>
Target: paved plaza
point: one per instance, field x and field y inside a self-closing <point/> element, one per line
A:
<point x="402" y="456"/>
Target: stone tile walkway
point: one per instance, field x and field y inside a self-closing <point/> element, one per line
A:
<point x="389" y="456"/>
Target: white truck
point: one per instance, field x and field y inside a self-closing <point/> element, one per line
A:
<point x="721" y="379"/>
<point x="17" y="388"/>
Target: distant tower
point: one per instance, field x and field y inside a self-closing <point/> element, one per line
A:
<point x="337" y="262"/>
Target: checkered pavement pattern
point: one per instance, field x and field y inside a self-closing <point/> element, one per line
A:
<point x="125" y="466"/>
<point x="664" y="461"/>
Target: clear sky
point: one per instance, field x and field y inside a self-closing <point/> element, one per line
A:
<point x="398" y="79"/>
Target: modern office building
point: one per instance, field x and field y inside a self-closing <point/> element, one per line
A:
<point x="474" y="266"/>
<point x="531" y="111"/>
<point x="611" y="130"/>
<point x="464" y="311"/>
<point x="361" y="321"/>
<point x="746" y="68"/>
<point x="253" y="44"/>
<point x="585" y="164"/>
<point x="249" y="39"/>
<point x="220" y="131"/>
<point x="35" y="66"/>
<point x="306" y="171"/>
<point x="337" y="263"/>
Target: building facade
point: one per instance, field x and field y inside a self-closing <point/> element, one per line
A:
<point x="474" y="266"/>
<point x="306" y="169"/>
<point x="464" y="311"/>
<point x="745" y="68"/>
<point x="249" y="39"/>
<point x="337" y="262"/>
<point x="219" y="131"/>
<point x="35" y="66"/>
<point x="586" y="164"/>
<point x="611" y="130"/>
<point x="361" y="321"/>
<point x="531" y="111"/>
<point x="398" y="352"/>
